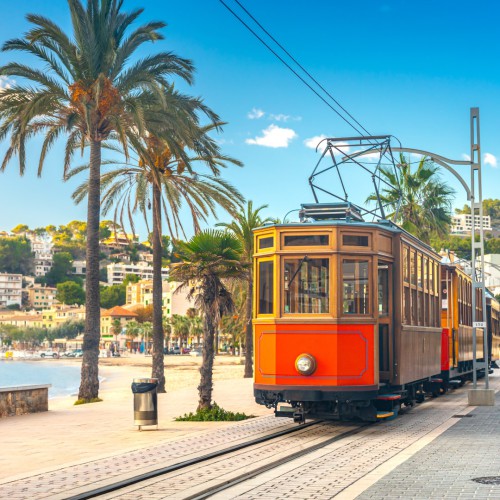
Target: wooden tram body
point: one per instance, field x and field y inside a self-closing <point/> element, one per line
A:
<point x="347" y="318"/>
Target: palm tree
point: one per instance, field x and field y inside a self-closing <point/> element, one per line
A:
<point x="419" y="200"/>
<point x="86" y="90"/>
<point x="160" y="173"/>
<point x="132" y="330"/>
<point x="242" y="227"/>
<point x="209" y="259"/>
<point x="116" y="329"/>
<point x="181" y="325"/>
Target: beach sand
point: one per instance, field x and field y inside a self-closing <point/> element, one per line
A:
<point x="69" y="434"/>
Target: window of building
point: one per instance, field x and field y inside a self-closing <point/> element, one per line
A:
<point x="301" y="240"/>
<point x="306" y="286"/>
<point x="356" y="286"/>
<point x="266" y="284"/>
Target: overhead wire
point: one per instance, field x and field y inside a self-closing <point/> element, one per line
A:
<point x="290" y="68"/>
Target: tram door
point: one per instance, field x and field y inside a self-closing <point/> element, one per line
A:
<point x="384" y="299"/>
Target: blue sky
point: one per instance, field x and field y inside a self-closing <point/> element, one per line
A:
<point x="410" y="69"/>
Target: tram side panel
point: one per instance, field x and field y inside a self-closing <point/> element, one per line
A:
<point x="344" y="355"/>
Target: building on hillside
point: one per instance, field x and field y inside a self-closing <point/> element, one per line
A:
<point x="22" y="319"/>
<point x="11" y="289"/>
<point x="462" y="223"/>
<point x="118" y="272"/>
<point x="145" y="256"/>
<point x="57" y="315"/>
<point x="79" y="267"/>
<point x="108" y="317"/>
<point x="42" y="247"/>
<point x="41" y="296"/>
<point x="173" y="302"/>
<point x="120" y="240"/>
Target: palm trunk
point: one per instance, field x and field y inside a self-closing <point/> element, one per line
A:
<point x="158" y="368"/>
<point x="207" y="365"/>
<point x="249" y="331"/>
<point x="89" y="385"/>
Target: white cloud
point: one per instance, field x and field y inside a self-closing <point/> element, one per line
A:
<point x="465" y="156"/>
<point x="274" y="137"/>
<point x="255" y="114"/>
<point x="284" y="118"/>
<point x="6" y="83"/>
<point x="313" y="142"/>
<point x="490" y="159"/>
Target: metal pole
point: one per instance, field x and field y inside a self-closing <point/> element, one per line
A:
<point x="473" y="157"/>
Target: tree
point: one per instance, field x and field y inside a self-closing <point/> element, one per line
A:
<point x="116" y="329"/>
<point x="70" y="293"/>
<point x="16" y="256"/>
<point x="114" y="295"/>
<point x="62" y="265"/>
<point x="132" y="330"/>
<point x="207" y="260"/>
<point x="424" y="201"/>
<point x="182" y="327"/>
<point x="86" y="90"/>
<point x="242" y="227"/>
<point x="160" y="175"/>
<point x="20" y="229"/>
<point x="144" y="314"/>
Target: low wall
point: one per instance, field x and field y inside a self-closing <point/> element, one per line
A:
<point x="23" y="399"/>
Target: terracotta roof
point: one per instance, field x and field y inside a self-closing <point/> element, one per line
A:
<point x="118" y="311"/>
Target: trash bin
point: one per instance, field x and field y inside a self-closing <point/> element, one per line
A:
<point x="145" y="401"/>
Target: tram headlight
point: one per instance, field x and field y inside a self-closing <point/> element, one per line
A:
<point x="305" y="364"/>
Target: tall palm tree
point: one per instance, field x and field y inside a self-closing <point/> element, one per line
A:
<point x="242" y="227"/>
<point x="160" y="173"/>
<point x="86" y="89"/>
<point x="181" y="326"/>
<point x="418" y="198"/>
<point x="209" y="259"/>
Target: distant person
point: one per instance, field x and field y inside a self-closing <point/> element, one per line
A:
<point x="112" y="349"/>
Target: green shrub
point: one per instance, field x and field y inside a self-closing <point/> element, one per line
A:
<point x="213" y="414"/>
<point x="86" y="401"/>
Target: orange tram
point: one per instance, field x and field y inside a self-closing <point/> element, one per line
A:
<point x="354" y="319"/>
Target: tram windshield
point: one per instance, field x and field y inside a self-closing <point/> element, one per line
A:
<point x="306" y="286"/>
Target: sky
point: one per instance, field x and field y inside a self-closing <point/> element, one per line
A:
<point x="405" y="68"/>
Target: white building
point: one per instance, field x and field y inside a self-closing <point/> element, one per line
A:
<point x="118" y="272"/>
<point x="42" y="247"/>
<point x="462" y="223"/>
<point x="11" y="289"/>
<point x="492" y="272"/>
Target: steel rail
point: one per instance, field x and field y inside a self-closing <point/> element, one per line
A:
<point x="186" y="463"/>
<point x="273" y="465"/>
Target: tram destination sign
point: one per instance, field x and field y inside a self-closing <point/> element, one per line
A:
<point x="479" y="324"/>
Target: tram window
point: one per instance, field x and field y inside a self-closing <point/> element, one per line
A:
<point x="406" y="275"/>
<point x="306" y="286"/>
<point x="413" y="274"/>
<point x="383" y="290"/>
<point x="426" y="273"/>
<point x="355" y="286"/>
<point x="431" y="277"/>
<point x="419" y="271"/>
<point x="354" y="240"/>
<point x="267" y="242"/>
<point x="414" y="307"/>
<point x="266" y="281"/>
<point x="305" y="240"/>
<point x="406" y="305"/>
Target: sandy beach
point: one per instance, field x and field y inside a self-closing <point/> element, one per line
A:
<point x="69" y="434"/>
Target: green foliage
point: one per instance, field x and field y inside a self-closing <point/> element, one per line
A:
<point x="213" y="414"/>
<point x="14" y="307"/>
<point x="20" y="229"/>
<point x="16" y="256"/>
<point x="69" y="330"/>
<point x="60" y="271"/>
<point x="112" y="296"/>
<point x="86" y="401"/>
<point x="70" y="292"/>
<point x="131" y="278"/>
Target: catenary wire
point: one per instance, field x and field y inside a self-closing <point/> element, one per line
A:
<point x="300" y="65"/>
<point x="289" y="67"/>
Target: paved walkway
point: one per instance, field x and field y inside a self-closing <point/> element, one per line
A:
<point x="426" y="453"/>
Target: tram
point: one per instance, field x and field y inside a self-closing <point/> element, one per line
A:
<point x="348" y="318"/>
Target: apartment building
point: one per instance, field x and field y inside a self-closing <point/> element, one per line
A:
<point x="173" y="301"/>
<point x="108" y="317"/>
<point x="40" y="296"/>
<point x="57" y="315"/>
<point x="462" y="223"/>
<point x="118" y="271"/>
<point x="42" y="247"/>
<point x="11" y="289"/>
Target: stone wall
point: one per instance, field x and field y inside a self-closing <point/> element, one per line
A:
<point x="23" y="399"/>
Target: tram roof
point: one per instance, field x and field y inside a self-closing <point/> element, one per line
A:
<point x="385" y="224"/>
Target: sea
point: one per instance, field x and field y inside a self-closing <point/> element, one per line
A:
<point x="65" y="379"/>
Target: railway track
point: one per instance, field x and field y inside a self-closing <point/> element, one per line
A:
<point x="214" y="472"/>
